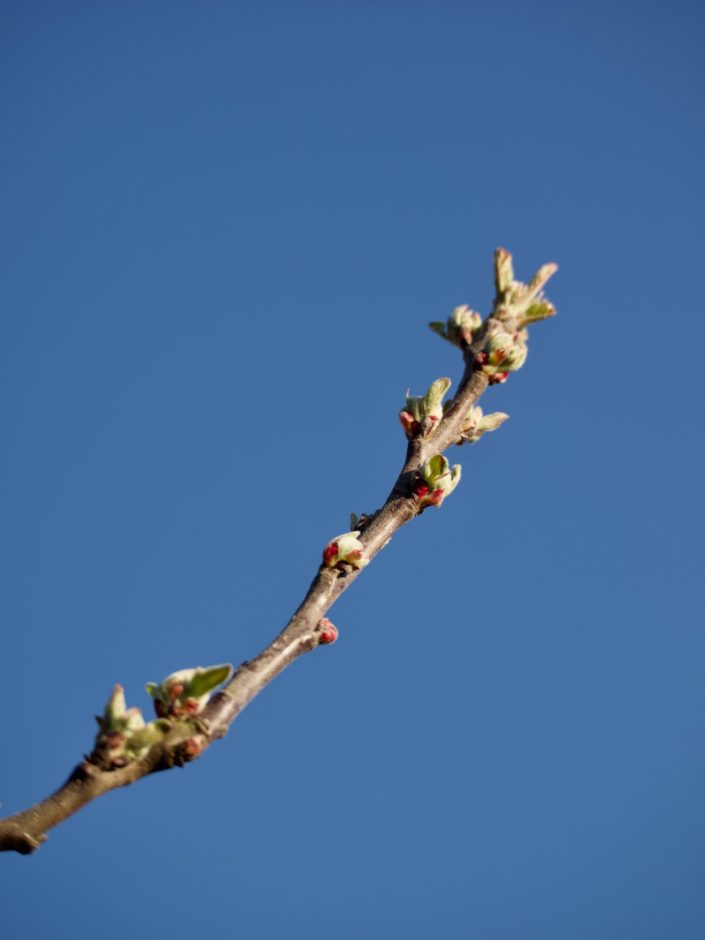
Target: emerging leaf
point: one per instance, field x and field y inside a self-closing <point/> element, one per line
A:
<point x="205" y="680"/>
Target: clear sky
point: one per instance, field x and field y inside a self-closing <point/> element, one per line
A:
<point x="225" y="226"/>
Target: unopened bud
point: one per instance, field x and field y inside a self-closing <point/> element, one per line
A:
<point x="328" y="631"/>
<point x="192" y="747"/>
<point x="345" y="548"/>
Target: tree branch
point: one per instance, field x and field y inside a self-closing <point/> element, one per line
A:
<point x="430" y="434"/>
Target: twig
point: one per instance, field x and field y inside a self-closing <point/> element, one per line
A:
<point x="184" y="740"/>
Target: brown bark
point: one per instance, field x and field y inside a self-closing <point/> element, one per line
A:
<point x="25" y="831"/>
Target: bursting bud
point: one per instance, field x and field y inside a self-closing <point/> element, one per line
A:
<point x="437" y="481"/>
<point x="476" y="424"/>
<point x="328" y="632"/>
<point x="460" y="326"/>
<point x="423" y="412"/>
<point x="122" y="735"/>
<point x="186" y="692"/>
<point x="345" y="548"/>
<point x="518" y="303"/>
<point x="503" y="352"/>
<point x="117" y="717"/>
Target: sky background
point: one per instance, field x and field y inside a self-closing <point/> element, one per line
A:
<point x="225" y="226"/>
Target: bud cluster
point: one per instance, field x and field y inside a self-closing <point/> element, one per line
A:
<point x="345" y="549"/>
<point x="185" y="693"/>
<point x="500" y="342"/>
<point x="436" y="481"/>
<point x="123" y="735"/>
<point x="522" y="303"/>
<point x="422" y="413"/>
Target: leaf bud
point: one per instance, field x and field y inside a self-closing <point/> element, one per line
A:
<point x="328" y="631"/>
<point x="187" y="691"/>
<point x="345" y="549"/>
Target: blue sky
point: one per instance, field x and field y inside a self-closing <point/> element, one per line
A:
<point x="225" y="227"/>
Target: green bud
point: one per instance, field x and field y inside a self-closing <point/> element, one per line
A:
<point x="438" y="473"/>
<point x="520" y="304"/>
<point x="433" y="399"/>
<point x="476" y="424"/>
<point x="438" y="480"/>
<point x="460" y="326"/>
<point x="186" y="692"/>
<point x="423" y="412"/>
<point x="119" y="727"/>
<point x="345" y="548"/>
<point x="503" y="351"/>
<point x="463" y="323"/>
<point x="117" y="717"/>
<point x="115" y="707"/>
<point x="429" y="405"/>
